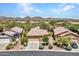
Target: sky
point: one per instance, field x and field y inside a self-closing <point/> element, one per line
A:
<point x="57" y="10"/>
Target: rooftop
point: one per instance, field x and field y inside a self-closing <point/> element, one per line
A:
<point x="63" y="31"/>
<point x="17" y="29"/>
<point x="9" y="33"/>
<point x="37" y="32"/>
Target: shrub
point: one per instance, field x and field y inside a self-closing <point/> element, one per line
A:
<point x="24" y="44"/>
<point x="45" y="43"/>
<point x="45" y="38"/>
<point x="68" y="48"/>
<point x="10" y="46"/>
<point x="15" y="43"/>
<point x="1" y="29"/>
<point x="13" y="39"/>
<point x="50" y="46"/>
<point x="24" y="39"/>
<point x="58" y="45"/>
<point x="7" y="47"/>
<point x="63" y="41"/>
<point x="54" y="43"/>
<point x="41" y="47"/>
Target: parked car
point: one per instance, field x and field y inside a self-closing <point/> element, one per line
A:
<point x="74" y="45"/>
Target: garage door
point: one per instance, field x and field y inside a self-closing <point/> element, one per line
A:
<point x="5" y="40"/>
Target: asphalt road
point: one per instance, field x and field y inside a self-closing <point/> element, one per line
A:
<point x="37" y="53"/>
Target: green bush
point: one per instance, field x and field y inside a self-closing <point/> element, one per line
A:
<point x="45" y="43"/>
<point x="69" y="48"/>
<point x="41" y="47"/>
<point x="15" y="43"/>
<point x="50" y="46"/>
<point x="1" y="29"/>
<point x="45" y="38"/>
<point x="13" y="39"/>
<point x="24" y="44"/>
<point x="54" y="43"/>
<point x="24" y="40"/>
<point x="10" y="46"/>
<point x="63" y="42"/>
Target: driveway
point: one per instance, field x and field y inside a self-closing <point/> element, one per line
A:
<point x="2" y="46"/>
<point x="32" y="45"/>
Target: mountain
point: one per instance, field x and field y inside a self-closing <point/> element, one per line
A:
<point x="36" y="18"/>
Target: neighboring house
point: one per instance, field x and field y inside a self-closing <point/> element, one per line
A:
<point x="62" y="31"/>
<point x="18" y="31"/>
<point x="36" y="33"/>
<point x="10" y="35"/>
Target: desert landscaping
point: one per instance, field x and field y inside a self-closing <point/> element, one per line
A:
<point x="39" y="34"/>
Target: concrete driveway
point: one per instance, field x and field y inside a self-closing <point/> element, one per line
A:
<point x="32" y="45"/>
<point x="3" y="46"/>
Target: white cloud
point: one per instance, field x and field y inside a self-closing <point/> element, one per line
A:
<point x="68" y="7"/>
<point x="64" y="8"/>
<point x="27" y="8"/>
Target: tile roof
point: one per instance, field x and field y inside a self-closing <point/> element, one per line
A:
<point x="9" y="33"/>
<point x="37" y="32"/>
<point x="17" y="29"/>
<point x="62" y="31"/>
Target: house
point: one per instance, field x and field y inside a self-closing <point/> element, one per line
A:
<point x="36" y="33"/>
<point x="18" y="31"/>
<point x="62" y="31"/>
<point x="9" y="35"/>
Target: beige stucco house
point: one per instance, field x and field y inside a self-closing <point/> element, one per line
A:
<point x="62" y="31"/>
<point x="13" y="33"/>
<point x="17" y="30"/>
<point x="36" y="33"/>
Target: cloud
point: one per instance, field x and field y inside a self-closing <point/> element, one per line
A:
<point x="68" y="7"/>
<point x="27" y="8"/>
<point x="64" y="8"/>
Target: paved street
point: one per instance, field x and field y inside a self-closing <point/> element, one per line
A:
<point x="37" y="53"/>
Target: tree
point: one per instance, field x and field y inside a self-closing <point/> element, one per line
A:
<point x="52" y="26"/>
<point x="10" y="24"/>
<point x="27" y="26"/>
<point x="1" y="29"/>
<point x="43" y="25"/>
<point x="52" y="22"/>
<point x="24" y="39"/>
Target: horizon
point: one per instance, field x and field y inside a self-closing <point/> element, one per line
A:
<point x="53" y="10"/>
